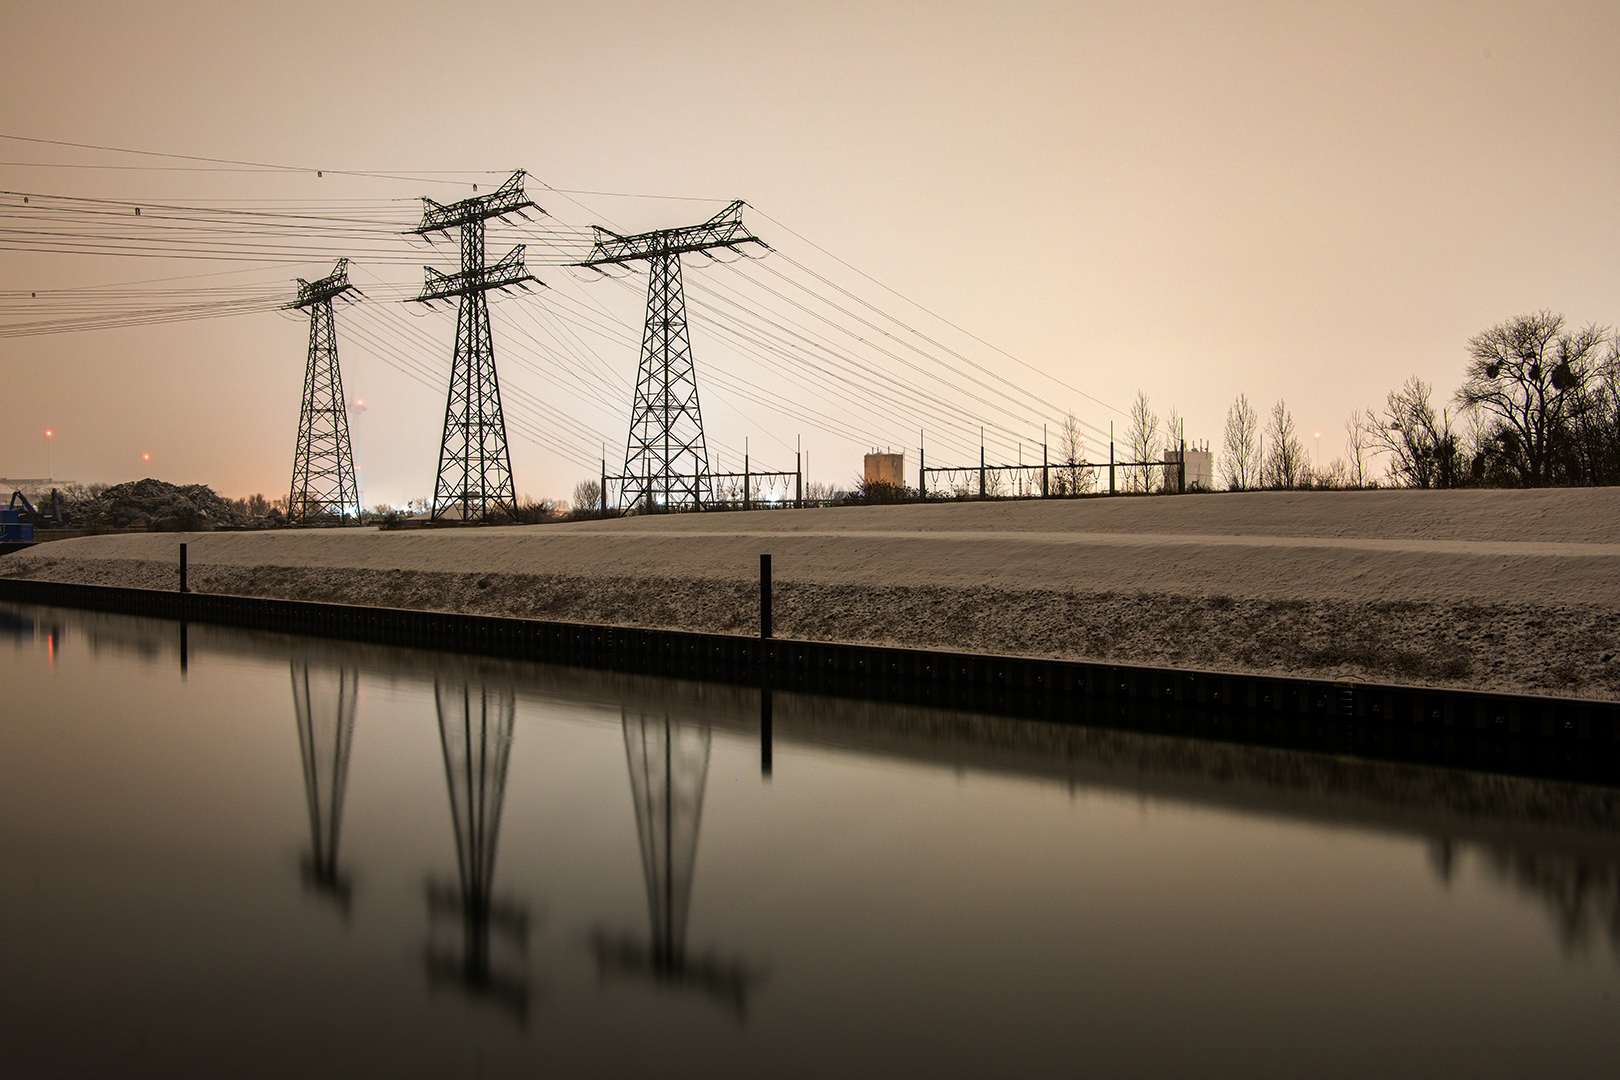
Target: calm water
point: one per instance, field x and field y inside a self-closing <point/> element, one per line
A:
<point x="308" y="858"/>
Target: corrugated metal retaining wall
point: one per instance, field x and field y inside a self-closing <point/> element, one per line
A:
<point x="1054" y="689"/>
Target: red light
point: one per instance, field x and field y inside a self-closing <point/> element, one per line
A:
<point x="48" y="434"/>
<point x="146" y="457"/>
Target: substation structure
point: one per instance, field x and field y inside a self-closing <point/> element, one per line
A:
<point x="474" y="479"/>
<point x="732" y="490"/>
<point x="1049" y="479"/>
<point x="666" y="462"/>
<point x="323" y="480"/>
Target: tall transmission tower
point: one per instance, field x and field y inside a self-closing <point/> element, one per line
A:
<point x="666" y="462"/>
<point x="323" y="484"/>
<point x="475" y="469"/>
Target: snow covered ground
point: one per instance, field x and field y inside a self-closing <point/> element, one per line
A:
<point x="1494" y="589"/>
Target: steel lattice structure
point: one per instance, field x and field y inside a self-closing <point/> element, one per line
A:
<point x="323" y="481"/>
<point x="666" y="461"/>
<point x="669" y="767"/>
<point x="325" y="701"/>
<point x="475" y="467"/>
<point x="475" y="732"/>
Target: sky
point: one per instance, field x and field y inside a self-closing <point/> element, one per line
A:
<point x="1306" y="202"/>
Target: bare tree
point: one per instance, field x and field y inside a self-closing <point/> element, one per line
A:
<point x="1284" y="464"/>
<point x="1142" y="441"/>
<point x="1532" y="375"/>
<point x="587" y="497"/>
<point x="1421" y="445"/>
<point x="1240" y="466"/>
<point x="1358" y="443"/>
<point x="1335" y="474"/>
<point x="1075" y="475"/>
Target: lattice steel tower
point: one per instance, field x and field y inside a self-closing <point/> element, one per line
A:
<point x="666" y="462"/>
<point x="475" y="469"/>
<point x="323" y="485"/>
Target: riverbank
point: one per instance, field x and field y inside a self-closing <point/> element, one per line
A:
<point x="1499" y="590"/>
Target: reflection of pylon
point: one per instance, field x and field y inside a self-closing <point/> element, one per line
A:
<point x="666" y="461"/>
<point x="475" y="730"/>
<point x="323" y="483"/>
<point x="475" y="470"/>
<point x="669" y="766"/>
<point x="325" y="701"/>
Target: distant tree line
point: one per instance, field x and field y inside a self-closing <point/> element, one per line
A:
<point x="1539" y="406"/>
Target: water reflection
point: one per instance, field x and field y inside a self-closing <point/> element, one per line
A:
<point x="1582" y="895"/>
<point x="16" y="626"/>
<point x="476" y="719"/>
<point x="937" y="890"/>
<point x="325" y="701"/>
<point x="669" y="766"/>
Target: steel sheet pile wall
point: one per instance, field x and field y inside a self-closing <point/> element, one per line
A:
<point x="1569" y="737"/>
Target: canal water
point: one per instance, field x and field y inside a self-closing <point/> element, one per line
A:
<point x="247" y="854"/>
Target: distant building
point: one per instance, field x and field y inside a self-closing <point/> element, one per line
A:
<point x="886" y="469"/>
<point x="1200" y="469"/>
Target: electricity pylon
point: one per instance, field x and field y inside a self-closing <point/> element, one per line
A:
<point x="323" y="485"/>
<point x="475" y="469"/>
<point x="669" y="766"/>
<point x="325" y="702"/>
<point x="666" y="462"/>
<point x="475" y="730"/>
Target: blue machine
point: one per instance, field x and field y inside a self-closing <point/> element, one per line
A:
<point x="11" y="526"/>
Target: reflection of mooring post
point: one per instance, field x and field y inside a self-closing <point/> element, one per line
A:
<point x="185" y="649"/>
<point x="325" y="701"/>
<point x="475" y="729"/>
<point x="669" y="765"/>
<point x="765" y="731"/>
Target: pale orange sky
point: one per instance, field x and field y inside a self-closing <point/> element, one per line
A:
<point x="1302" y="201"/>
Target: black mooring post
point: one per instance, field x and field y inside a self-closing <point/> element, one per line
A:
<point x="765" y="731"/>
<point x="764" y="596"/>
<point x="182" y="568"/>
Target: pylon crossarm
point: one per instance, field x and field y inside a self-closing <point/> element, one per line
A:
<point x="507" y="273"/>
<point x="506" y="199"/>
<point x="334" y="284"/>
<point x="725" y="229"/>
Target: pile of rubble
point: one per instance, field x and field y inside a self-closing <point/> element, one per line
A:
<point x="161" y="507"/>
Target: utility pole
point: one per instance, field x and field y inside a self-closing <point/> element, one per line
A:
<point x="475" y="467"/>
<point x="323" y="483"/>
<point x="666" y="461"/>
<point x="981" y="463"/>
<point x="1044" y="466"/>
<point x="922" y="466"/>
